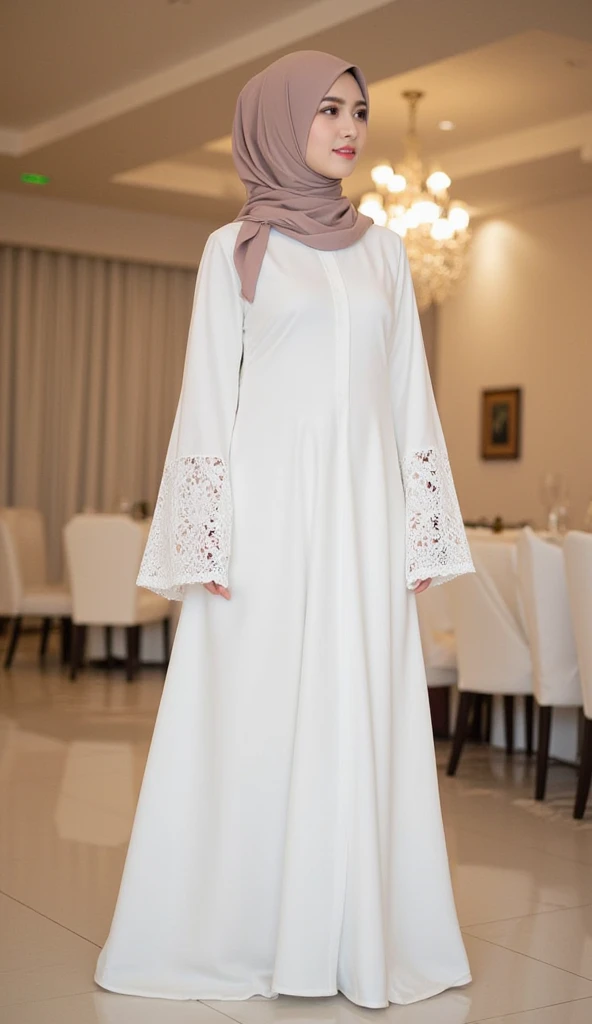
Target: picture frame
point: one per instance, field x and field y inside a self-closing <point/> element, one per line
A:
<point x="501" y="412"/>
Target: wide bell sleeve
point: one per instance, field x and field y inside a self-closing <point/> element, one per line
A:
<point x="190" y="536"/>
<point x="436" y="543"/>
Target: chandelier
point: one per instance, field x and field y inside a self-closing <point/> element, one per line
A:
<point x="419" y="209"/>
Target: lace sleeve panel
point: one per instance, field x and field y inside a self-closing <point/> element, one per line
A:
<point x="189" y="540"/>
<point x="437" y="547"/>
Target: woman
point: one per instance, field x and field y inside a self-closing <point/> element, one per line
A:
<point x="288" y="836"/>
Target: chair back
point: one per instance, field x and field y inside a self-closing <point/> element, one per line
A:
<point x="492" y="650"/>
<point x="543" y="587"/>
<point x="103" y="554"/>
<point x="577" y="550"/>
<point x="437" y="636"/>
<point x="11" y="586"/>
<point x="27" y="528"/>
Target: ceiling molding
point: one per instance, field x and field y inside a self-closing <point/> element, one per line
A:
<point x="538" y="143"/>
<point x="313" y="19"/>
<point x="503" y="151"/>
<point x="174" y="176"/>
<point x="10" y="142"/>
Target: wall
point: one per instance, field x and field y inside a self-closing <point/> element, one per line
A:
<point x="523" y="318"/>
<point x="101" y="231"/>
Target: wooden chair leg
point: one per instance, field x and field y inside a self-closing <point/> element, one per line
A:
<point x="529" y="722"/>
<point x="66" y="640"/>
<point x="109" y="647"/>
<point x="17" y="623"/>
<point x="78" y="645"/>
<point x="133" y="651"/>
<point x="585" y="774"/>
<point x="166" y="640"/>
<point x="476" y="730"/>
<point x="488" y="716"/>
<point x="509" y="722"/>
<point x="45" y="631"/>
<point x="460" y="730"/>
<point x="545" y="717"/>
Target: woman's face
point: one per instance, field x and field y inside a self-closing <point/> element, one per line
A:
<point x="338" y="132"/>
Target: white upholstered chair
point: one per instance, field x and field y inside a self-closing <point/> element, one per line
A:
<point x="103" y="554"/>
<point x="24" y="590"/>
<point x="493" y="656"/>
<point x="438" y="644"/>
<point x="577" y="550"/>
<point x="543" y="587"/>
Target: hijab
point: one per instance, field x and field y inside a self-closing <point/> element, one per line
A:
<point x="274" y="114"/>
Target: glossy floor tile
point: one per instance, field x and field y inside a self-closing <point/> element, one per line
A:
<point x="39" y="960"/>
<point x="562" y="938"/>
<point x="579" y="1012"/>
<point x="104" y="1008"/>
<point x="71" y="762"/>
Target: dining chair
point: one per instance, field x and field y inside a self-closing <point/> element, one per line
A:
<point x="556" y="680"/>
<point x="492" y="650"/>
<point x="577" y="551"/>
<point x="439" y="648"/>
<point x="103" y="553"/>
<point x="22" y="593"/>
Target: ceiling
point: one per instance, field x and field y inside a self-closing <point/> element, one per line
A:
<point x="129" y="103"/>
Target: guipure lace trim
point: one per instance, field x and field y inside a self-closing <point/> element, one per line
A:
<point x="189" y="540"/>
<point x="437" y="547"/>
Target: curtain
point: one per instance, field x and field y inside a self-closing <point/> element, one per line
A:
<point x="91" y="359"/>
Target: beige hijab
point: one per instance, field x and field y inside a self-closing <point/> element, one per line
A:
<point x="274" y="113"/>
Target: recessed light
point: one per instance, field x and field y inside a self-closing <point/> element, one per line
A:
<point x="35" y="179"/>
<point x="446" y="126"/>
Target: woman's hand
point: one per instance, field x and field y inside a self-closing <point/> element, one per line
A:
<point x="217" y="588"/>
<point x="421" y="586"/>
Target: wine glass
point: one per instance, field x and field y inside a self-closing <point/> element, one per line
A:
<point x="553" y="491"/>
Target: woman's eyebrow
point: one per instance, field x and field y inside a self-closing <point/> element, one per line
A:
<point x="336" y="99"/>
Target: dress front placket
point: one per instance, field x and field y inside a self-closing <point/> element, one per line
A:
<point x="344" y="711"/>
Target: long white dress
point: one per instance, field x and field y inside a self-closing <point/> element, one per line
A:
<point x="288" y="836"/>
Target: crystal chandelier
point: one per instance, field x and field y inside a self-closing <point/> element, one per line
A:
<point x="419" y="209"/>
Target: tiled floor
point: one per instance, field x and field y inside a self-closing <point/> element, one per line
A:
<point x="71" y="761"/>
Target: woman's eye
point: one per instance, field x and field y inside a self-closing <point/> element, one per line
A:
<point x="362" y="114"/>
<point x="329" y="110"/>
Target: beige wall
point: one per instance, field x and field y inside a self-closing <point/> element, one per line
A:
<point x="523" y="317"/>
<point x="101" y="231"/>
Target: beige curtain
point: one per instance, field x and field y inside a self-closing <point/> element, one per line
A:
<point x="91" y="358"/>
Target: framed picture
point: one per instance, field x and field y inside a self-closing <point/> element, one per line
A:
<point x="500" y="423"/>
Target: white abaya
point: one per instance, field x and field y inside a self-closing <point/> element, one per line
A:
<point x="288" y="836"/>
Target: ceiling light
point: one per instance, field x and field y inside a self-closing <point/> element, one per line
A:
<point x="371" y="204"/>
<point x="397" y="183"/>
<point x="446" y="126"/>
<point x="435" y="230"/>
<point x="425" y="211"/>
<point x="381" y="174"/>
<point x="441" y="230"/>
<point x="438" y="181"/>
<point x="458" y="215"/>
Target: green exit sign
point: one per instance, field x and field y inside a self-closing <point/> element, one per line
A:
<point x="35" y="179"/>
